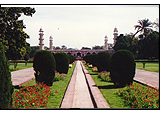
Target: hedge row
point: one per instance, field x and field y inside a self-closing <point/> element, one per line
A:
<point x="100" y="60"/>
<point x="45" y="64"/>
<point x="121" y="65"/>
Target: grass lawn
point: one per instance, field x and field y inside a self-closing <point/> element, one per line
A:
<point x="20" y="66"/>
<point x="59" y="86"/>
<point x="108" y="91"/>
<point x="154" y="67"/>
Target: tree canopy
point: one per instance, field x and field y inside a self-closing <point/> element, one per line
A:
<point x="149" y="46"/>
<point x="12" y="35"/>
<point x="144" y="27"/>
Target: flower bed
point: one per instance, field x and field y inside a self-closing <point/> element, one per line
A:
<point x="90" y="66"/>
<point x="138" y="96"/>
<point x="35" y="96"/>
<point x="94" y="69"/>
<point x="105" y="76"/>
<point x="59" y="76"/>
<point x="70" y="65"/>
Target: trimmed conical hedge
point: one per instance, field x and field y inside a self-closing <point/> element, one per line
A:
<point x="6" y="88"/>
<point x="44" y="65"/>
<point x="103" y="59"/>
<point x="62" y="62"/>
<point x="122" y="67"/>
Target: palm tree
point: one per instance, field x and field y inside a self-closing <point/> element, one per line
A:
<point x="156" y="24"/>
<point x="143" y="27"/>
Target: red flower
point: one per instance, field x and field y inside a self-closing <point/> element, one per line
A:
<point x="56" y="91"/>
<point x="16" y="101"/>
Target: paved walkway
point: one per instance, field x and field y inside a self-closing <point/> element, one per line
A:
<point x="22" y="76"/>
<point x="82" y="91"/>
<point x="82" y="97"/>
<point x="147" y="77"/>
<point x="77" y="94"/>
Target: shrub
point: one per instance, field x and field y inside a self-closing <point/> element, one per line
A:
<point x="44" y="66"/>
<point x="70" y="65"/>
<point x="105" y="76"/>
<point x="71" y="58"/>
<point x="59" y="77"/>
<point x="6" y="88"/>
<point x="91" y="59"/>
<point x="122" y="67"/>
<point x="94" y="69"/>
<point x="87" y="58"/>
<point x="62" y="62"/>
<point x="90" y="66"/>
<point x="103" y="59"/>
<point x="94" y="59"/>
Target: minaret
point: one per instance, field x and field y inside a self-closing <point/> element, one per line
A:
<point x="50" y="43"/>
<point x="105" y="42"/>
<point x="115" y="33"/>
<point x="41" y="44"/>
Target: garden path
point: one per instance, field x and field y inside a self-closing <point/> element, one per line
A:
<point x="147" y="77"/>
<point x="20" y="77"/>
<point x="82" y="97"/>
<point x="77" y="94"/>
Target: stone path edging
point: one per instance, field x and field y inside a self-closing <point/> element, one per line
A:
<point x="98" y="99"/>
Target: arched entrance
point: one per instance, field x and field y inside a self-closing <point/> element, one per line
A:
<point x="78" y="54"/>
<point x="69" y="53"/>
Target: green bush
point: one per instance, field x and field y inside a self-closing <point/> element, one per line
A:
<point x="103" y="59"/>
<point x="87" y="58"/>
<point x="62" y="62"/>
<point x="105" y="76"/>
<point x="6" y="88"/>
<point x="91" y="59"/>
<point x="44" y="65"/>
<point x="122" y="67"/>
<point x="71" y="58"/>
<point x="94" y="59"/>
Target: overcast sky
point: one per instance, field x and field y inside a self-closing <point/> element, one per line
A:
<point x="77" y="26"/>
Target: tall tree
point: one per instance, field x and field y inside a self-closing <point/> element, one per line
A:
<point x="12" y="35"/>
<point x="64" y="47"/>
<point x="121" y="43"/>
<point x="28" y="50"/>
<point x="97" y="47"/>
<point x="144" y="27"/>
<point x="149" y="46"/>
<point x="133" y="46"/>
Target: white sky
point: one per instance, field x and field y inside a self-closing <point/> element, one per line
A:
<point x="84" y="25"/>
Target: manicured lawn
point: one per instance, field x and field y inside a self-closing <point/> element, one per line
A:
<point x="108" y="90"/>
<point x="20" y="66"/>
<point x="58" y="88"/>
<point x="154" y="67"/>
<point x="130" y="97"/>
